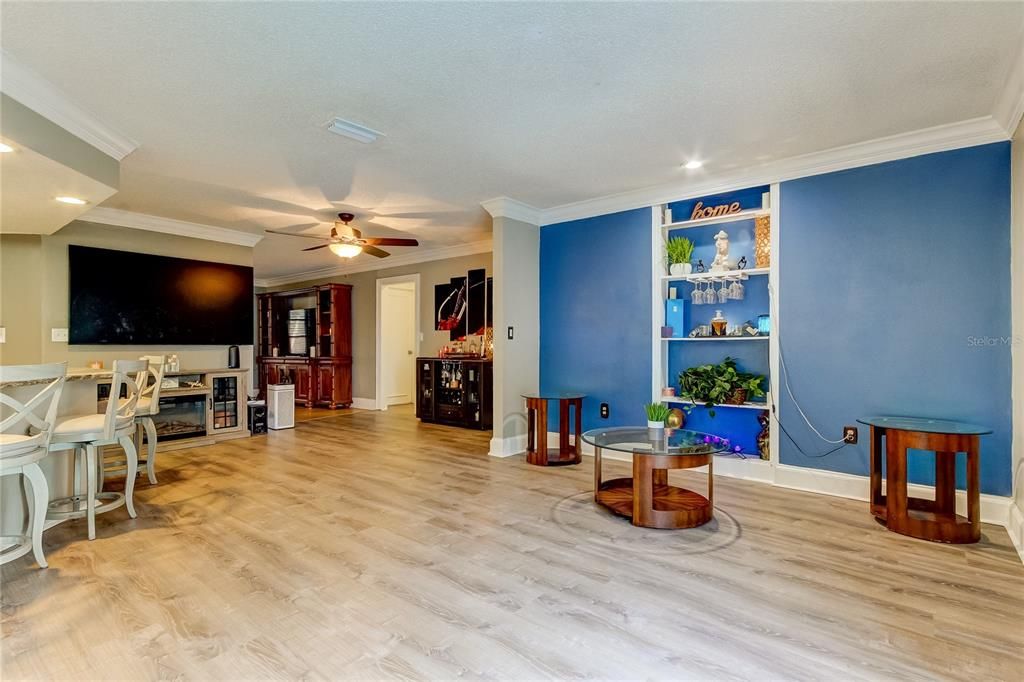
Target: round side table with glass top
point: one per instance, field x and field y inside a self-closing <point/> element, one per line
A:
<point x="646" y="498"/>
<point x="934" y="520"/>
<point x="537" y="450"/>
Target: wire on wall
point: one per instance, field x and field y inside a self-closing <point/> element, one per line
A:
<point x="785" y="380"/>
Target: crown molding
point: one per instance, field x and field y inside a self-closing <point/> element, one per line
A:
<point x="1009" y="109"/>
<point x="504" y="207"/>
<point x="354" y="266"/>
<point x="940" y="138"/>
<point x="35" y="92"/>
<point x="181" y="228"/>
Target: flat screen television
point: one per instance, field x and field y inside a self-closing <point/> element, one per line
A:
<point x="120" y="297"/>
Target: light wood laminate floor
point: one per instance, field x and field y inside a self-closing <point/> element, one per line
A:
<point x="369" y="546"/>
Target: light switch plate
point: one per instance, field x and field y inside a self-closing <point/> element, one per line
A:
<point x="3" y="334"/>
<point x="59" y="335"/>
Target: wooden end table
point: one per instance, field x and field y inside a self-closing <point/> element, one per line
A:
<point x="646" y="498"/>
<point x="537" y="450"/>
<point x="934" y="520"/>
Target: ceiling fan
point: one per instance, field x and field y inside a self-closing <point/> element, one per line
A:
<point x="348" y="242"/>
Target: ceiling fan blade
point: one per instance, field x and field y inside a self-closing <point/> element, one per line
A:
<point x="314" y="248"/>
<point x="294" y="234"/>
<point x="390" y="241"/>
<point x="374" y="251"/>
<point x="340" y="229"/>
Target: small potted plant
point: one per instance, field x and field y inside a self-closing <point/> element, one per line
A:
<point x="679" y="251"/>
<point x="720" y="384"/>
<point x="657" y="413"/>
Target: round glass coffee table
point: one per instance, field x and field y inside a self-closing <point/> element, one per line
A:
<point x="646" y="498"/>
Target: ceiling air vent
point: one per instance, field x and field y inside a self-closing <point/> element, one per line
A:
<point x="340" y="126"/>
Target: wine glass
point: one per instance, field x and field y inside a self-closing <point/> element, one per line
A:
<point x="723" y="292"/>
<point x="696" y="296"/>
<point x="736" y="291"/>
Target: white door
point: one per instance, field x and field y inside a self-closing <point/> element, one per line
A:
<point x="398" y="341"/>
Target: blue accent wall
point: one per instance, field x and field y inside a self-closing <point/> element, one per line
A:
<point x="895" y="298"/>
<point x="595" y="314"/>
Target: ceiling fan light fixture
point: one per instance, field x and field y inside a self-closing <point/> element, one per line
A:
<point x="346" y="250"/>
<point x="354" y="131"/>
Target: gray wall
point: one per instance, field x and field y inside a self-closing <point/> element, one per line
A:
<point x="517" y="305"/>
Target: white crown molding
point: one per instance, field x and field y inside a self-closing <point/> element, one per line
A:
<point x="38" y="94"/>
<point x="367" y="265"/>
<point x="1009" y="107"/>
<point x="152" y="223"/>
<point x="504" y="207"/>
<point x="926" y="141"/>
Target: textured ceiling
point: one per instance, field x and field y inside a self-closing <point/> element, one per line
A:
<point x="547" y="103"/>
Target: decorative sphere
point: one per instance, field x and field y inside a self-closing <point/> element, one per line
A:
<point x="676" y="419"/>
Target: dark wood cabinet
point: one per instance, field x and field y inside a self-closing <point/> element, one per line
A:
<point x="455" y="391"/>
<point x="322" y="329"/>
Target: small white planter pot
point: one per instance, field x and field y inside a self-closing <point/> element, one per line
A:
<point x="680" y="269"/>
<point x="655" y="425"/>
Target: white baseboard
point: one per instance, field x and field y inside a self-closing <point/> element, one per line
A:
<point x="1015" y="527"/>
<point x="364" y="403"/>
<point x="994" y="508"/>
<point x="508" y="447"/>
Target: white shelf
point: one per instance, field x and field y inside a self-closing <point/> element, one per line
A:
<point x="715" y="276"/>
<point x="744" y="406"/>
<point x="749" y="214"/>
<point x="718" y="338"/>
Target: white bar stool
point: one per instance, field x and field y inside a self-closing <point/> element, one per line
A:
<point x="24" y="439"/>
<point x="116" y="426"/>
<point x="147" y="406"/>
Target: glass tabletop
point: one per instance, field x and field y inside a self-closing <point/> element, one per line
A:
<point x="924" y="425"/>
<point x="656" y="441"/>
<point x="554" y="395"/>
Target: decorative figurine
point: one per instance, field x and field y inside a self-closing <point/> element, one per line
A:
<point x="762" y="438"/>
<point x="721" y="262"/>
<point x="700" y="265"/>
<point x="742" y="263"/>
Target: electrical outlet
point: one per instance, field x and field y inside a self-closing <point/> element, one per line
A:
<point x="59" y="335"/>
<point x="850" y="434"/>
<point x="604" y="410"/>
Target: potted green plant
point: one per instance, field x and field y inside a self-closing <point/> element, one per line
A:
<point x="720" y="384"/>
<point x="657" y="413"/>
<point x="679" y="251"/>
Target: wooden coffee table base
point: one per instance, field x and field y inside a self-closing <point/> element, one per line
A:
<point x="648" y="500"/>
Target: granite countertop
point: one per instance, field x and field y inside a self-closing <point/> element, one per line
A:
<point x="87" y="374"/>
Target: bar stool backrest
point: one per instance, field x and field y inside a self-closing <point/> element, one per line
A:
<point x="25" y="416"/>
<point x="121" y="411"/>
<point x="156" y="373"/>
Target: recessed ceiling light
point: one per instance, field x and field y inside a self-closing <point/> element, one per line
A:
<point x="4" y="148"/>
<point x="693" y="165"/>
<point x="72" y="200"/>
<point x="340" y="126"/>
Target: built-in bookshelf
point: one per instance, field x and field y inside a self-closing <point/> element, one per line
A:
<point x="754" y="353"/>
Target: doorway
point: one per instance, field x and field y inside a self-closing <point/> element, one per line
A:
<point x="398" y="339"/>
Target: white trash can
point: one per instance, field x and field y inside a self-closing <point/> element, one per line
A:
<point x="280" y="406"/>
